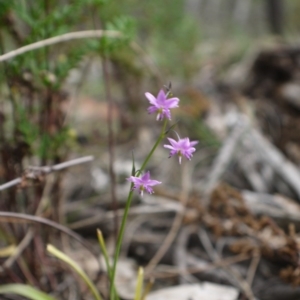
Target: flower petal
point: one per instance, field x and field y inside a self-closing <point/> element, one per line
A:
<point x="151" y="98"/>
<point x="171" y="103"/>
<point x="161" y="98"/>
<point x="167" y="113"/>
<point x="173" y="142"/>
<point x="146" y="177"/>
<point x="152" y="109"/>
<point x="169" y="147"/>
<point x="193" y="143"/>
<point x="149" y="190"/>
<point x="153" y="182"/>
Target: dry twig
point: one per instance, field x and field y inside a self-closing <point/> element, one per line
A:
<point x="252" y="269"/>
<point x="34" y="171"/>
<point x="181" y="254"/>
<point x="212" y="253"/>
<point x="286" y="169"/>
<point x="85" y="34"/>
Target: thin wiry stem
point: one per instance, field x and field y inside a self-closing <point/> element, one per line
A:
<point x="161" y="136"/>
<point x="126" y="211"/>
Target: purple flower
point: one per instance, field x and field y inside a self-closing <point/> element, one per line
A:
<point x="143" y="183"/>
<point x="161" y="105"/>
<point x="182" y="147"/>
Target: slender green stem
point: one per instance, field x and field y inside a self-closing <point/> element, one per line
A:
<point x="126" y="211"/>
<point x="106" y="258"/>
<point x="161" y="136"/>
<point x="119" y="242"/>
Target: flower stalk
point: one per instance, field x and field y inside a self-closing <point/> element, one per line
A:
<point x="183" y="147"/>
<point x="126" y="211"/>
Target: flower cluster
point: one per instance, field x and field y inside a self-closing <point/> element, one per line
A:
<point x="182" y="148"/>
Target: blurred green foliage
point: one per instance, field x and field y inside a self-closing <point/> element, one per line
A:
<point x="168" y="34"/>
<point x="32" y="84"/>
<point x="33" y="127"/>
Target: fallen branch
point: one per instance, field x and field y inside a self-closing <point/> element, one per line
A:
<point x="271" y="155"/>
<point x="33" y="172"/>
<point x="85" y="34"/>
<point x="232" y="273"/>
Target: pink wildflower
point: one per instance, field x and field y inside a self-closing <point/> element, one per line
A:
<point x="161" y="105"/>
<point x="182" y="147"/>
<point x="143" y="183"/>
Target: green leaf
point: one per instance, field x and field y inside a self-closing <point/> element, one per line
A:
<point x="25" y="291"/>
<point x="63" y="257"/>
<point x="139" y="285"/>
